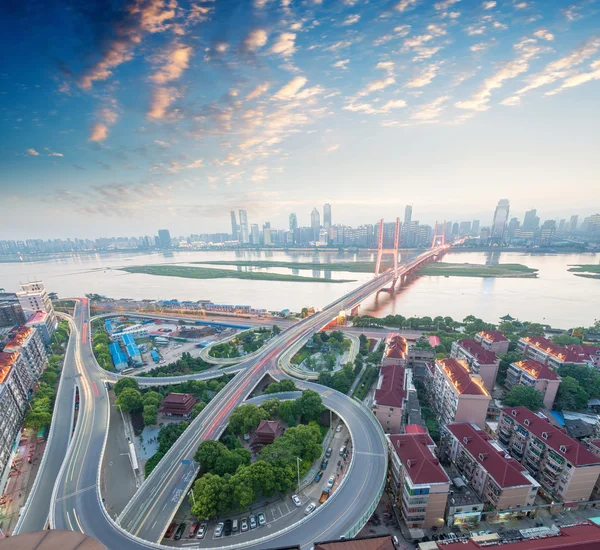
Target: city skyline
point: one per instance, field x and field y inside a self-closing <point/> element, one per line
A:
<point x="443" y="105"/>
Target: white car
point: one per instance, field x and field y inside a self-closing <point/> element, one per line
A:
<point x="331" y="481"/>
<point x="310" y="508"/>
<point x="219" y="529"/>
<point x="296" y="500"/>
<point x="339" y="428"/>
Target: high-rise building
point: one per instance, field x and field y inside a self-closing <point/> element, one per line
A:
<point x="327" y="216"/>
<point x="513" y="229"/>
<point x="293" y="222"/>
<point x="244" y="236"/>
<point x="475" y="228"/>
<point x="547" y="232"/>
<point x="267" y="235"/>
<point x="455" y="229"/>
<point x="11" y="311"/>
<point x="33" y="298"/>
<point x="573" y="223"/>
<point x="448" y="231"/>
<point x="408" y="213"/>
<point x="464" y="229"/>
<point x="164" y="238"/>
<point x="234" y="227"/>
<point x="498" y="232"/>
<point x="255" y="233"/>
<point x="315" y="224"/>
<point x="531" y="222"/>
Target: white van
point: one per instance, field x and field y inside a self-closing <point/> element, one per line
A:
<point x="235" y="526"/>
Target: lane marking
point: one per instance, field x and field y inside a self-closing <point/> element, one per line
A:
<point x="75" y="493"/>
<point x="77" y="520"/>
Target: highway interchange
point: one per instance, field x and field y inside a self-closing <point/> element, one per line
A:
<point x="69" y="482"/>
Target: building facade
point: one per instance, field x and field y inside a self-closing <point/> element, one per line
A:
<point x="419" y="484"/>
<point x="482" y="362"/>
<point x="396" y="350"/>
<point x="565" y="469"/>
<point x="493" y="340"/>
<point x="28" y="342"/>
<point x="543" y="350"/>
<point x="535" y="375"/>
<point x="11" y="311"/>
<point x="390" y="396"/>
<point x="33" y="298"/>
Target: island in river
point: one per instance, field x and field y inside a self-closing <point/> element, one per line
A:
<point x="590" y="271"/>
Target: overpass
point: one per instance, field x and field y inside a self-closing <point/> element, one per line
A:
<point x="76" y="500"/>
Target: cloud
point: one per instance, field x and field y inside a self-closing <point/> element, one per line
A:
<point x="402" y="30"/>
<point x="544" y="34"/>
<point x="255" y="40"/>
<point x="289" y="90"/>
<point x="404" y="5"/>
<point x="196" y="164"/>
<point x="52" y="153"/>
<point x="430" y="112"/>
<point x="162" y="99"/>
<point x="162" y="144"/>
<point x="284" y="44"/>
<point x="445" y="4"/>
<point x="332" y="148"/>
<point x="174" y="62"/>
<point x="572" y="13"/>
<point x="342" y="64"/>
<point x="425" y="77"/>
<point x="370" y="109"/>
<point x="527" y="50"/>
<point x="488" y="5"/>
<point x="107" y="116"/>
<point x="257" y="91"/>
<point x="351" y="19"/>
<point x="32" y="153"/>
<point x="511" y="101"/>
<point x="479" y="47"/>
<point x="578" y="79"/>
<point x="99" y="132"/>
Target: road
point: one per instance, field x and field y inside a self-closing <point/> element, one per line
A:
<point x="77" y="503"/>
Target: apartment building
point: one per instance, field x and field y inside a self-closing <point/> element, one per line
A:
<point x="543" y="350"/>
<point x="418" y="482"/>
<point x="589" y="354"/>
<point x="481" y="361"/>
<point x="535" y="375"/>
<point x="28" y="343"/>
<point x="565" y="469"/>
<point x="396" y="351"/>
<point x="493" y="340"/>
<point x="456" y="393"/>
<point x="14" y="383"/>
<point x="498" y="479"/>
<point x="33" y="298"/>
<point x="390" y="396"/>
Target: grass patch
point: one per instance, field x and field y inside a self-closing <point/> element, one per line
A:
<point x="212" y="273"/>
<point x="355" y="267"/>
<point x="589" y="271"/>
<point x="476" y="270"/>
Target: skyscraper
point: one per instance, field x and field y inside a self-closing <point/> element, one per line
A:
<point x="293" y="222"/>
<point x="407" y="213"/>
<point x="234" y="227"/>
<point x="315" y="224"/>
<point x="531" y="222"/>
<point x="498" y="230"/>
<point x="475" y="228"/>
<point x="255" y="233"/>
<point x="327" y="217"/>
<point x="244" y="237"/>
<point x="164" y="238"/>
<point x="573" y="223"/>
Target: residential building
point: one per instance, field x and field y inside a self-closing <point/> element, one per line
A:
<point x="327" y="217"/>
<point x="464" y="229"/>
<point x="388" y="403"/>
<point x="28" y="342"/>
<point x="419" y="484"/>
<point x="457" y="394"/>
<point x="475" y="228"/>
<point x="493" y="340"/>
<point x="234" y="227"/>
<point x="498" y="231"/>
<point x="464" y="506"/>
<point x="39" y="322"/>
<point x="315" y="224"/>
<point x="547" y="232"/>
<point x="589" y="354"/>
<point x="535" y="375"/>
<point x="498" y="479"/>
<point x="33" y="297"/>
<point x="566" y="470"/>
<point x="243" y="232"/>
<point x="11" y="311"/>
<point x="255" y="234"/>
<point x="531" y="222"/>
<point x="178" y="404"/>
<point x="164" y="238"/>
<point x="395" y="352"/>
<point x="373" y="542"/>
<point x="482" y="362"/>
<point x="293" y="222"/>
<point x="543" y="350"/>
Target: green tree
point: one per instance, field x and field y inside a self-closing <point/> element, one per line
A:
<point x="208" y="453"/>
<point x="275" y="330"/>
<point x="246" y="418"/>
<point x="152" y="398"/>
<point x="283" y="386"/>
<point x="38" y="419"/>
<point x="212" y="496"/>
<point x="570" y="396"/>
<point x="130" y="400"/>
<point x="310" y="405"/>
<point x="49" y="378"/>
<point x="124" y="383"/>
<point x="150" y="415"/>
<point x="565" y="339"/>
<point x="288" y="412"/>
<point x="197" y="409"/>
<point x="505" y="362"/>
<point x="524" y="395"/>
<point x="271" y="407"/>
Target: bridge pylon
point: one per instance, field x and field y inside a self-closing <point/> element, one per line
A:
<point x="439" y="239"/>
<point x="393" y="251"/>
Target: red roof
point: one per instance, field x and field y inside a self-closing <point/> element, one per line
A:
<point x="595" y="443"/>
<point x="584" y="352"/>
<point x="270" y="427"/>
<point x="575" y="453"/>
<point x="506" y="472"/>
<point x="38" y="317"/>
<point x="551" y="348"/>
<point x="415" y="429"/>
<point x="493" y="336"/>
<point x="418" y="460"/>
<point x="434" y="341"/>
<point x="461" y="377"/>
<point x="19" y="338"/>
<point x="577" y="537"/>
<point x="482" y="356"/>
<point x="538" y="370"/>
<point x="395" y="346"/>
<point x="391" y="392"/>
<point x="7" y="360"/>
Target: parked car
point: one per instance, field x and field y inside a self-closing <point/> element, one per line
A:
<point x="318" y="477"/>
<point x="170" y="530"/>
<point x="324" y="464"/>
<point x="180" y="531"/>
<point x="252" y="520"/>
<point x="324" y="495"/>
<point x="328" y="453"/>
<point x="331" y="481"/>
<point x="486" y="532"/>
<point x="296" y="500"/>
<point x="228" y="528"/>
<point x="219" y="529"/>
<point x="201" y="531"/>
<point x="193" y="530"/>
<point x="244" y="523"/>
<point x="342" y="451"/>
<point x="261" y="519"/>
<point x="310" y="508"/>
<point x="235" y="526"/>
<point x="451" y="536"/>
<point x="339" y="428"/>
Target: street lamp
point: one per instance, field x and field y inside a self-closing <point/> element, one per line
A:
<point x="298" y="462"/>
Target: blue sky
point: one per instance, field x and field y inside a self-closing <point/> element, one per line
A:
<point x="118" y="118"/>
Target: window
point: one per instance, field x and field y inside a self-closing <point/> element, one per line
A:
<point x="513" y="412"/>
<point x="526" y="422"/>
<point x="545" y="435"/>
<point x="563" y="449"/>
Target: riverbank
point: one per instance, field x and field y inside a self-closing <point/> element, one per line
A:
<point x="213" y="273"/>
<point x="589" y="271"/>
<point x="478" y="270"/>
<point x="355" y="267"/>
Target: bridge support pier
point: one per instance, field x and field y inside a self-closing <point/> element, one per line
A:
<point x="354" y="311"/>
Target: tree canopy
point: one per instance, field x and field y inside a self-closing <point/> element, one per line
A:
<point x="570" y="396"/>
<point x="524" y="395"/>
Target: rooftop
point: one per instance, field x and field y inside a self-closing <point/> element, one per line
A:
<point x="395" y="346"/>
<point x="377" y="542"/>
<point x="536" y="369"/>
<point x="506" y="472"/>
<point x="270" y="427"/>
<point x="38" y="317"/>
<point x="177" y="399"/>
<point x="419" y="462"/>
<point x="574" y="451"/>
<point x="493" y="336"/>
<point x="583" y="352"/>
<point x="563" y="354"/>
<point x="461" y="378"/>
<point x="7" y="360"/>
<point x="390" y="391"/>
<point x="482" y="356"/>
<point x="415" y="429"/>
<point x="19" y="338"/>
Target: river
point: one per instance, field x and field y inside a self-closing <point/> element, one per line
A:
<point x="556" y="297"/>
